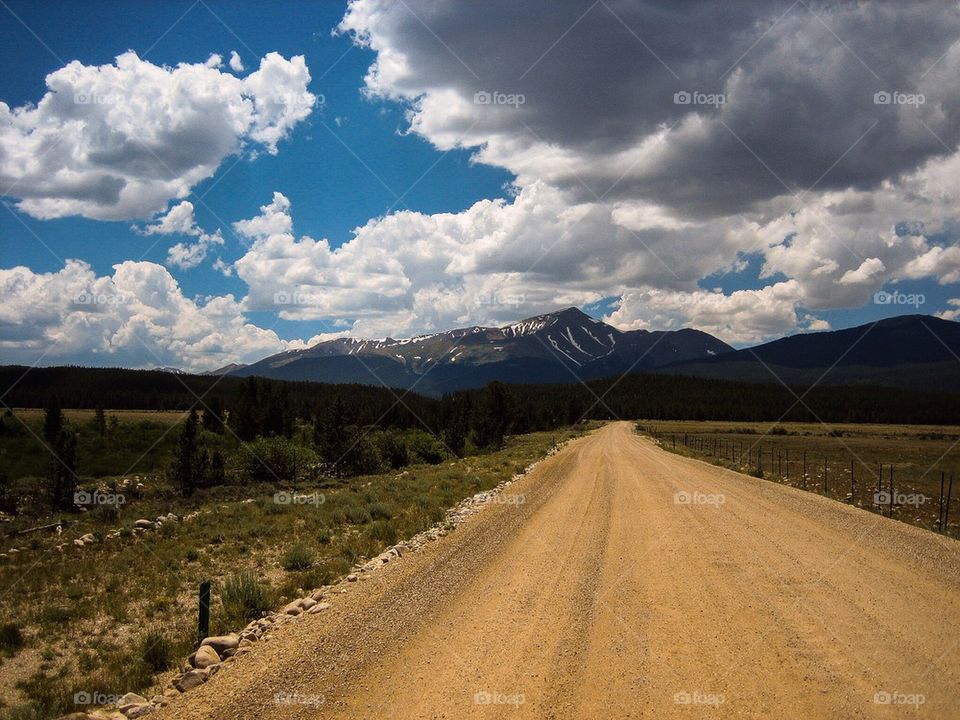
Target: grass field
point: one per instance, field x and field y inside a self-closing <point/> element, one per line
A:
<point x="917" y="455"/>
<point x="119" y="615"/>
<point x="136" y="442"/>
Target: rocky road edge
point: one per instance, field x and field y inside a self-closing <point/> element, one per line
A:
<point x="218" y="652"/>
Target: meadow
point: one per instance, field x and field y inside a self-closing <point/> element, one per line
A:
<point x="917" y="455"/>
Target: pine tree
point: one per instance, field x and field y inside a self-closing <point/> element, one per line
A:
<point x="52" y="420"/>
<point x="213" y="415"/>
<point x="217" y="471"/>
<point x="64" y="470"/>
<point x="100" y="421"/>
<point x="185" y="465"/>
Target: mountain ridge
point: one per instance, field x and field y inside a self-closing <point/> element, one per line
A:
<point x="916" y="352"/>
<point x="562" y="346"/>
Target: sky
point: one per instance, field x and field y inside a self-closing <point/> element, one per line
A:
<point x="195" y="183"/>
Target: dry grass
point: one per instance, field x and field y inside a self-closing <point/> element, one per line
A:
<point x="918" y="454"/>
<point x="98" y="614"/>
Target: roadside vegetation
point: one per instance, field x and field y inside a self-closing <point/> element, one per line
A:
<point x="264" y="519"/>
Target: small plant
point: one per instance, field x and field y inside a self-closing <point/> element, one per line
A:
<point x="156" y="650"/>
<point x="192" y="555"/>
<point x="243" y="597"/>
<point x="357" y="515"/>
<point x="297" y="557"/>
<point x="380" y="511"/>
<point x="11" y="639"/>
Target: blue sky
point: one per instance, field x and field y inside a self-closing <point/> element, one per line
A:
<point x="331" y="188"/>
<point x="768" y="214"/>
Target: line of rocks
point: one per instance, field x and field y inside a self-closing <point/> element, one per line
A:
<point x="216" y="652"/>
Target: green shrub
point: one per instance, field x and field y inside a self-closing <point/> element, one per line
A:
<point x="11" y="639"/>
<point x="243" y="597"/>
<point x="393" y="449"/>
<point x="272" y="459"/>
<point x="384" y="532"/>
<point x="356" y="515"/>
<point x="156" y="650"/>
<point x="380" y="510"/>
<point x="425" y="448"/>
<point x="297" y="557"/>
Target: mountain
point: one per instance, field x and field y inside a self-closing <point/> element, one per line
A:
<point x="559" y="347"/>
<point x="231" y="368"/>
<point x="914" y="352"/>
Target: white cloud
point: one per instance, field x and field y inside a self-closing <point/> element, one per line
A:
<point x="180" y="220"/>
<point x="743" y="316"/>
<point x="869" y="268"/>
<point x="953" y="313"/>
<point x="658" y="195"/>
<point x="137" y="317"/>
<point x="119" y="141"/>
<point x="236" y="64"/>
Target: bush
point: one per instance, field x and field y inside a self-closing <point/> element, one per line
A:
<point x="384" y="532"/>
<point x="425" y="448"/>
<point x="156" y="650"/>
<point x="393" y="449"/>
<point x="272" y="459"/>
<point x="11" y="639"/>
<point x="243" y="597"/>
<point x="380" y="510"/>
<point x="297" y="557"/>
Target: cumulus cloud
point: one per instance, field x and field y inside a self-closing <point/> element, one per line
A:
<point x="952" y="312"/>
<point x="743" y="316"/>
<point x="698" y="91"/>
<point x="118" y="141"/>
<point x="138" y="317"/>
<point x="180" y="220"/>
<point x="794" y="133"/>
<point x="236" y="64"/>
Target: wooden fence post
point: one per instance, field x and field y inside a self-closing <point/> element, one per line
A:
<point x="891" y="489"/>
<point x="946" y="511"/>
<point x="203" y="619"/>
<point x="824" y="474"/>
<point x="853" y="484"/>
<point x="940" y="511"/>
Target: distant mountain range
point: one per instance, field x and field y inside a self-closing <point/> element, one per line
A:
<point x="559" y="347"/>
<point x="913" y="352"/>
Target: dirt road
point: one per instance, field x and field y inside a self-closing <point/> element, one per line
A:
<point x="630" y="582"/>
